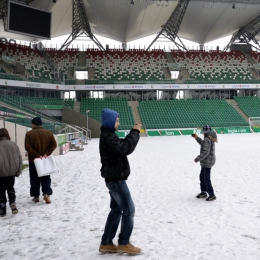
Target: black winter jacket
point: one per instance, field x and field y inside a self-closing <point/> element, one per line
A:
<point x="113" y="153"/>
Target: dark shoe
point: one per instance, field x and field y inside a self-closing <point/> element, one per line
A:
<point x="2" y="210"/>
<point x="35" y="199"/>
<point x="13" y="208"/>
<point x="47" y="198"/>
<point x="130" y="249"/>
<point x="202" y="195"/>
<point x="108" y="249"/>
<point x="211" y="197"/>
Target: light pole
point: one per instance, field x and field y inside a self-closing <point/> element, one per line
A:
<point x="87" y="111"/>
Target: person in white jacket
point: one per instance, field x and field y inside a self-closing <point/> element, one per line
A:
<point x="10" y="167"/>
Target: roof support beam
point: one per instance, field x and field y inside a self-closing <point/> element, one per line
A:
<point x="3" y="12"/>
<point x="252" y="2"/>
<point x="171" y="28"/>
<point x="246" y="34"/>
<point x="80" y="25"/>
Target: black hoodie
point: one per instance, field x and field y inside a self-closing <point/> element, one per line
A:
<point x="114" y="150"/>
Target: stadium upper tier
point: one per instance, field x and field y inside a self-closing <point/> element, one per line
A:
<point x="33" y="64"/>
<point x="64" y="59"/>
<point x="131" y="66"/>
<point x="215" y="66"/>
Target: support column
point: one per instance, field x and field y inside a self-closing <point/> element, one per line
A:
<point x="124" y="46"/>
<point x="187" y="94"/>
<point x="241" y="93"/>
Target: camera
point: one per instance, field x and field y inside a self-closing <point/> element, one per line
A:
<point x="193" y="135"/>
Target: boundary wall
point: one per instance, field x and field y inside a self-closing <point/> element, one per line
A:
<point x="190" y="131"/>
<point x="170" y="85"/>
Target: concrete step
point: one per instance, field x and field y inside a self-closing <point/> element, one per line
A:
<point x="170" y="57"/>
<point x="235" y="105"/>
<point x="82" y="59"/>
<point x="134" y="106"/>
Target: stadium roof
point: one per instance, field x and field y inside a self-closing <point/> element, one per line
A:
<point x="204" y="21"/>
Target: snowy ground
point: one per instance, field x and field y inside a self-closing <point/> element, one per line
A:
<point x="170" y="223"/>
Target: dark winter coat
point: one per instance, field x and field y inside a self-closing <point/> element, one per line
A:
<point x="113" y="152"/>
<point x="38" y="142"/>
<point x="10" y="158"/>
<point x="207" y="155"/>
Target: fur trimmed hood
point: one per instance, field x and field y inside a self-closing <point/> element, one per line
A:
<point x="212" y="136"/>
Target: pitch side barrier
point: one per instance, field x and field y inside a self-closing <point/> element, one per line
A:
<point x="69" y="138"/>
<point x="148" y="85"/>
<point x="190" y="131"/>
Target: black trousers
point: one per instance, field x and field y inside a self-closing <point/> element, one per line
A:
<point x="37" y="182"/>
<point x="7" y="184"/>
<point x="205" y="182"/>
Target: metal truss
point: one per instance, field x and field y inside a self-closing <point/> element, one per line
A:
<point x="246" y="34"/>
<point x="80" y="25"/>
<point x="251" y="2"/>
<point x="171" y="28"/>
<point x="3" y="12"/>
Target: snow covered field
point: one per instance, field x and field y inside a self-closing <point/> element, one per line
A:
<point x="170" y="223"/>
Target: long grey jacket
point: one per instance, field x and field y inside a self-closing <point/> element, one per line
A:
<point x="10" y="158"/>
<point x="207" y="155"/>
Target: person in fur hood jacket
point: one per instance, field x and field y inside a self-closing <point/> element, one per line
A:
<point x="207" y="159"/>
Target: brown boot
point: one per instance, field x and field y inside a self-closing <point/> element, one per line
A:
<point x="108" y="249"/>
<point x="47" y="199"/>
<point x="130" y="249"/>
<point x="35" y="199"/>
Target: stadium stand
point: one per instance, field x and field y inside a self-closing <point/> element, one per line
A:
<point x="96" y="105"/>
<point x="126" y="66"/>
<point x="10" y="76"/>
<point x="250" y="105"/>
<point x="32" y="101"/>
<point x="65" y="59"/>
<point x="52" y="126"/>
<point x="188" y="113"/>
<point x="255" y="55"/>
<point x="214" y="66"/>
<point x="30" y="59"/>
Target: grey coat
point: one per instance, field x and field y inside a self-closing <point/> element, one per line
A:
<point x="207" y="155"/>
<point x="10" y="158"/>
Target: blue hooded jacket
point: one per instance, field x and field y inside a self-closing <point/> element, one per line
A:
<point x="109" y="117"/>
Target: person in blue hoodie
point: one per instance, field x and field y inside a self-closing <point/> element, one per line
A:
<point x="115" y="170"/>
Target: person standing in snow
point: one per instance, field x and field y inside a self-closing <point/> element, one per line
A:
<point x="115" y="170"/>
<point x="207" y="159"/>
<point x="10" y="167"/>
<point x="39" y="143"/>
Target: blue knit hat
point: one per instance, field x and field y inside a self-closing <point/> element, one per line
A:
<point x="109" y="117"/>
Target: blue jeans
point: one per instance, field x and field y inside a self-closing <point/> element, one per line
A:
<point x="205" y="182"/>
<point x="122" y="206"/>
<point x="36" y="182"/>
